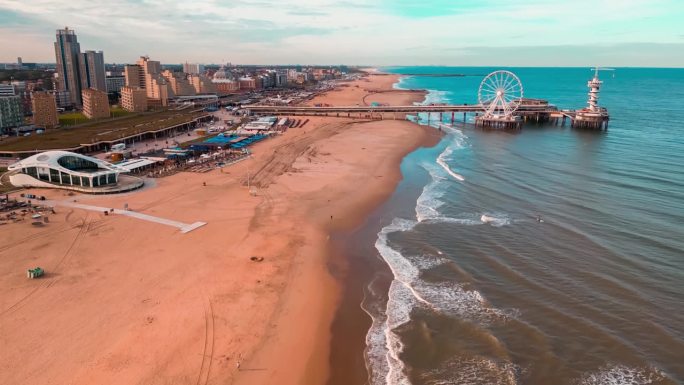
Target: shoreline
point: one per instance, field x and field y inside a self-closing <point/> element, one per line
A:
<point x="132" y="301"/>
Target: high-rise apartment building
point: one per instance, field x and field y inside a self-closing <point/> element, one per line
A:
<point x="93" y="70"/>
<point x="63" y="99"/>
<point x="190" y="68"/>
<point x="44" y="107"/>
<point x="133" y="99"/>
<point x="95" y="104"/>
<point x="114" y="83"/>
<point x="202" y="84"/>
<point x="281" y="78"/>
<point x="134" y="75"/>
<point x="11" y="113"/>
<point x="75" y="70"/>
<point x="179" y="83"/>
<point x="149" y="77"/>
<point x="68" y="55"/>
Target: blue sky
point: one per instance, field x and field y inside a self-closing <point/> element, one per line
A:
<point x="380" y="32"/>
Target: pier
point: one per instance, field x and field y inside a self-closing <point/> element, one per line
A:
<point x="501" y="106"/>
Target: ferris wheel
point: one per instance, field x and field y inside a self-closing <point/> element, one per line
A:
<point x="500" y="94"/>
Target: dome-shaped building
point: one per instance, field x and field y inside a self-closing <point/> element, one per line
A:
<point x="224" y="81"/>
<point x="69" y="170"/>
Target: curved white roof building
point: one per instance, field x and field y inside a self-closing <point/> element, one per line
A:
<point x="62" y="169"/>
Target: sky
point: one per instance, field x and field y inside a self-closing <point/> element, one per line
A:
<point x="639" y="33"/>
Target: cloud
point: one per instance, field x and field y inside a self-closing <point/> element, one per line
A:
<point x="348" y="31"/>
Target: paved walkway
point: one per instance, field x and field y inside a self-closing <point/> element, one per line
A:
<point x="183" y="227"/>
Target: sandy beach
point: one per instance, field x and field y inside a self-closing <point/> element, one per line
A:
<point x="130" y="301"/>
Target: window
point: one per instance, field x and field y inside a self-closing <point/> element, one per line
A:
<point x="111" y="178"/>
<point x="54" y="175"/>
<point x="77" y="164"/>
<point x="44" y="173"/>
<point x="66" y="178"/>
<point x="32" y="171"/>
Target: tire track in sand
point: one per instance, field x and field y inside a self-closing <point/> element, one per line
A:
<point x="18" y="304"/>
<point x="209" y="337"/>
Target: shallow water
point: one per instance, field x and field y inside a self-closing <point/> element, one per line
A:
<point x="481" y="292"/>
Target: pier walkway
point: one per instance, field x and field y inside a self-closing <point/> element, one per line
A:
<point x="465" y="108"/>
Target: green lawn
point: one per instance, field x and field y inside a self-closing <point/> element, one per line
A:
<point x="72" y="119"/>
<point x="118" y="111"/>
<point x="98" y="130"/>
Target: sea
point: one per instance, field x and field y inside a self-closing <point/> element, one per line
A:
<point x="548" y="255"/>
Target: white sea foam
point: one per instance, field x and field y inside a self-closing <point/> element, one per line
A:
<point x="429" y="200"/>
<point x="495" y="219"/>
<point x="436" y="96"/>
<point x="399" y="85"/>
<point x="408" y="291"/>
<point x="617" y="374"/>
<point x="444" y="157"/>
<point x="472" y="371"/>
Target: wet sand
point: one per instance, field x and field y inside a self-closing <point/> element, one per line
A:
<point x="130" y="301"/>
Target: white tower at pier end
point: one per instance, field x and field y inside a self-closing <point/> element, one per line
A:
<point x="594" y="88"/>
<point x="593" y="117"/>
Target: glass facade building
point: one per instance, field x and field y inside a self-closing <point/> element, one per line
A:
<point x="68" y="169"/>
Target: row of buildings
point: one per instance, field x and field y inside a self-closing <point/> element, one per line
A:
<point x="82" y="82"/>
<point x="44" y="108"/>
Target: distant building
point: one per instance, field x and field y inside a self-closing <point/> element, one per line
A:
<point x="134" y="76"/>
<point x="11" y="113"/>
<point x="190" y="68"/>
<point x="224" y="83"/>
<point x="63" y="99"/>
<point x="95" y="104"/>
<point x="179" y="83"/>
<point x="133" y="99"/>
<point x="281" y="78"/>
<point x="202" y="84"/>
<point x="157" y="88"/>
<point x="247" y="83"/>
<point x="114" y="83"/>
<point x="93" y="70"/>
<point x="292" y="75"/>
<point x="7" y="90"/>
<point x="68" y="57"/>
<point x="44" y="107"/>
<point x="75" y="70"/>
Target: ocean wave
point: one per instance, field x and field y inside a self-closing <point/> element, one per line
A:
<point x="409" y="291"/>
<point x="430" y="215"/>
<point x="429" y="201"/>
<point x="472" y="371"/>
<point x="617" y="374"/>
<point x="399" y="85"/>
<point x="441" y="160"/>
<point x="436" y="96"/>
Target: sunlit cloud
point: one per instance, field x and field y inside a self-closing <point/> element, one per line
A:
<point x="382" y="32"/>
